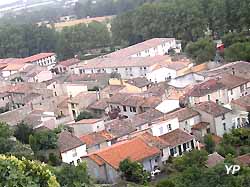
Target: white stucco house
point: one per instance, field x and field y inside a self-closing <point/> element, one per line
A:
<point x="71" y="148"/>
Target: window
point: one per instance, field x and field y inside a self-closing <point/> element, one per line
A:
<point x="74" y="153"/>
<point x="156" y="160"/>
<point x="242" y="88"/>
<point x="118" y="108"/>
<point x="54" y="86"/>
<point x="130" y="109"/>
<point x="145" y="68"/>
<point x="208" y="97"/>
<point x="173" y="151"/>
<point x="124" y="108"/>
<point x="169" y="127"/>
<point x="208" y="130"/>
<point x="111" y="106"/>
<point x="80" y="71"/>
<point x="72" y="105"/>
<point x="3" y="98"/>
<point x="187" y="144"/>
<point x="224" y="126"/>
<point x="134" y="109"/>
<point x="55" y="94"/>
<point x="231" y="92"/>
<point x="161" y="130"/>
<point x="97" y="146"/>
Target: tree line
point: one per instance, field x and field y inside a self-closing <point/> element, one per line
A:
<point x="184" y="20"/>
<point x="22" y="40"/>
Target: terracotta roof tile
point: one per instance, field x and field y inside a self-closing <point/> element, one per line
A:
<point x="177" y="137"/>
<point x="69" y="62"/>
<point x="214" y="159"/>
<point x="205" y="88"/>
<point x="182" y="114"/>
<point x="231" y="81"/>
<point x="38" y="57"/>
<point x="243" y="102"/>
<point x="67" y="141"/>
<point x="139" y="82"/>
<point x="115" y="154"/>
<point x="100" y="104"/>
<point x="244" y="159"/>
<point x="201" y="125"/>
<point x="96" y="138"/>
<point x="211" y="108"/>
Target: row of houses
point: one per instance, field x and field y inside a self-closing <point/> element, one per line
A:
<point x="145" y="105"/>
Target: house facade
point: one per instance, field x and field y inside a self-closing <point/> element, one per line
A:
<point x="42" y="59"/>
<point x="71" y="148"/>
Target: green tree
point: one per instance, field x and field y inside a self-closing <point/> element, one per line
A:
<point x="194" y="158"/>
<point x="22" y="132"/>
<point x="209" y="143"/>
<point x="5" y="131"/>
<point x="133" y="172"/>
<point x="238" y="51"/>
<point x="43" y="140"/>
<point x="84" y="115"/>
<point x="14" y="172"/>
<point x="74" y="176"/>
<point x="201" y="51"/>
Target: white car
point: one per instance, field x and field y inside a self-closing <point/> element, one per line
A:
<point x="155" y="172"/>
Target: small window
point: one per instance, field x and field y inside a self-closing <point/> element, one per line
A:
<point x="161" y="130"/>
<point x="169" y="127"/>
<point x="54" y="86"/>
<point x="208" y="98"/>
<point x="187" y="145"/>
<point x="231" y="92"/>
<point x="74" y="153"/>
<point x="224" y="126"/>
<point x="124" y="108"/>
<point x="208" y="131"/>
<point x="134" y="109"/>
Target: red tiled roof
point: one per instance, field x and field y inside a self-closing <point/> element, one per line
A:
<point x="212" y="108"/>
<point x="182" y="114"/>
<point x="214" y="159"/>
<point x="231" y="81"/>
<point x="201" y="125"/>
<point x="135" y="149"/>
<point x="116" y="62"/>
<point x="96" y="138"/>
<point x="38" y="57"/>
<point x="67" y="141"/>
<point x="177" y="137"/>
<point x="243" y="102"/>
<point x="69" y="62"/>
<point x="244" y="159"/>
<point x="205" y="88"/>
<point x="14" y="67"/>
<point x="96" y="159"/>
<point x="140" y="47"/>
